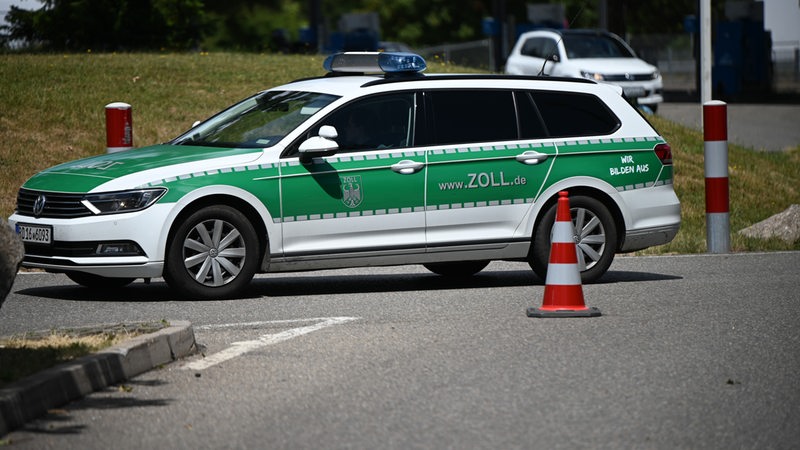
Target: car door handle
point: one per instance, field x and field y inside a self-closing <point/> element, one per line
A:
<point x="531" y="157"/>
<point x="407" y="167"/>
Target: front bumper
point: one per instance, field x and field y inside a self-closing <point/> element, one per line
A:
<point x="75" y="243"/>
<point x="643" y="92"/>
<point x="113" y="269"/>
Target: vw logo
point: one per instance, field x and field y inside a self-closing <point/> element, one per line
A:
<point x="38" y="205"/>
<point x="628" y="77"/>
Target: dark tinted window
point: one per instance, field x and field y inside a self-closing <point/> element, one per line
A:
<point x="584" y="45"/>
<point x="373" y="123"/>
<point x="539" y="47"/>
<point x="530" y="122"/>
<point x="460" y="116"/>
<point x="569" y="114"/>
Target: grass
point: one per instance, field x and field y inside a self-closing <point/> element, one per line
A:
<point x="52" y="110"/>
<point x="29" y="353"/>
<point x="761" y="184"/>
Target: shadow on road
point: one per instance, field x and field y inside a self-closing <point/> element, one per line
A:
<point x="294" y="285"/>
<point x="60" y="422"/>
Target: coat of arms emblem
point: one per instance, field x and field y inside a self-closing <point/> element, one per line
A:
<point x="352" y="192"/>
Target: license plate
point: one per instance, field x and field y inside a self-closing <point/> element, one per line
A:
<point x="633" y="92"/>
<point x="35" y="234"/>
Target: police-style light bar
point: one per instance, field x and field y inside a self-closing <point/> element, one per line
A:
<point x="371" y="62"/>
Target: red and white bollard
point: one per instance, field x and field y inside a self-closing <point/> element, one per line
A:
<point x="715" y="152"/>
<point x="119" y="127"/>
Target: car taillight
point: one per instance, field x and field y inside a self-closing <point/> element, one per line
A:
<point x="664" y="153"/>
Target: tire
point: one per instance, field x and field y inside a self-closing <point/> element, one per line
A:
<point x="212" y="254"/>
<point x="457" y="269"/>
<point x="596" y="243"/>
<point x="93" y="281"/>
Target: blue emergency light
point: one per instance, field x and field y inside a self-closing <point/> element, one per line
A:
<point x="371" y="62"/>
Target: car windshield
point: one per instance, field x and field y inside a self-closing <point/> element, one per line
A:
<point x="259" y="121"/>
<point x="595" y="46"/>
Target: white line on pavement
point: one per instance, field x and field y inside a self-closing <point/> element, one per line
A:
<point x="267" y="322"/>
<point x="240" y="348"/>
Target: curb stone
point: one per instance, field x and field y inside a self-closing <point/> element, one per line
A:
<point x="32" y="397"/>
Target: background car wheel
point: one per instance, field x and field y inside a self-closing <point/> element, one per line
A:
<point x="595" y="237"/>
<point x="213" y="254"/>
<point x="457" y="269"/>
<point x="97" y="282"/>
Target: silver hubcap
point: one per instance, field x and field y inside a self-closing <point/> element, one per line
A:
<point x="214" y="252"/>
<point x="589" y="236"/>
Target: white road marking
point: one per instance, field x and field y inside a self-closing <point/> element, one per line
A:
<point x="268" y="322"/>
<point x="240" y="348"/>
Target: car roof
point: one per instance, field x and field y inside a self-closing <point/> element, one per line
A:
<point x="572" y="32"/>
<point x="352" y="84"/>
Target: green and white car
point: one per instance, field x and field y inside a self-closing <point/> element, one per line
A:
<point x="373" y="164"/>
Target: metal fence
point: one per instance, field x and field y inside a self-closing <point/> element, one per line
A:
<point x="477" y="54"/>
<point x="786" y="60"/>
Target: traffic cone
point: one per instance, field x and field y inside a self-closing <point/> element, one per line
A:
<point x="563" y="293"/>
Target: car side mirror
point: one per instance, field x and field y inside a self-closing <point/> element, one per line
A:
<point x="321" y="145"/>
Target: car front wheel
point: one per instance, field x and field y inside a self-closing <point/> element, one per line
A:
<point x="595" y="235"/>
<point x="213" y="254"/>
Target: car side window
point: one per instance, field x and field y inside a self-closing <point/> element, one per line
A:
<point x="572" y="114"/>
<point x="374" y="123"/>
<point x="465" y="116"/>
<point x="531" y="125"/>
<point x="539" y="47"/>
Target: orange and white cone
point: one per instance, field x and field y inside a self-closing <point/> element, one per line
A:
<point x="563" y="293"/>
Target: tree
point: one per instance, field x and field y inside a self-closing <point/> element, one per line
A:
<point x="256" y="25"/>
<point x="110" y="24"/>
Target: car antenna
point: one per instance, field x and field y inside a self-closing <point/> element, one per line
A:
<point x="560" y="37"/>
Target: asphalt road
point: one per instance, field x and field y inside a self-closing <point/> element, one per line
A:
<point x="772" y="127"/>
<point x="691" y="352"/>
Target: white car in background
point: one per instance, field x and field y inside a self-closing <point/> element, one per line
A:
<point x="594" y="54"/>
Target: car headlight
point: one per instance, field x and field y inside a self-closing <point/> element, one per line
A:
<point x="656" y="75"/>
<point x="123" y="201"/>
<point x="593" y="75"/>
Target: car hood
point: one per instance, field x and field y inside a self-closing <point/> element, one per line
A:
<point x="611" y="65"/>
<point x="137" y="167"/>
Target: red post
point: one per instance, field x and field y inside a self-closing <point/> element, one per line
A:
<point x="119" y="127"/>
<point x="715" y="152"/>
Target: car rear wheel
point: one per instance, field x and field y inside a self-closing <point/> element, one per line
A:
<point x="213" y="254"/>
<point x="595" y="236"/>
<point x="457" y="269"/>
<point x="93" y="281"/>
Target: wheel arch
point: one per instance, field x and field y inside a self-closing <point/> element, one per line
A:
<point x="250" y="212"/>
<point x="605" y="195"/>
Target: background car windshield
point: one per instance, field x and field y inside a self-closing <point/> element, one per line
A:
<point x="595" y="46"/>
<point x="259" y="121"/>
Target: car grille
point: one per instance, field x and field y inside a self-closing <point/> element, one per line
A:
<point x="56" y="205"/>
<point x="629" y="77"/>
